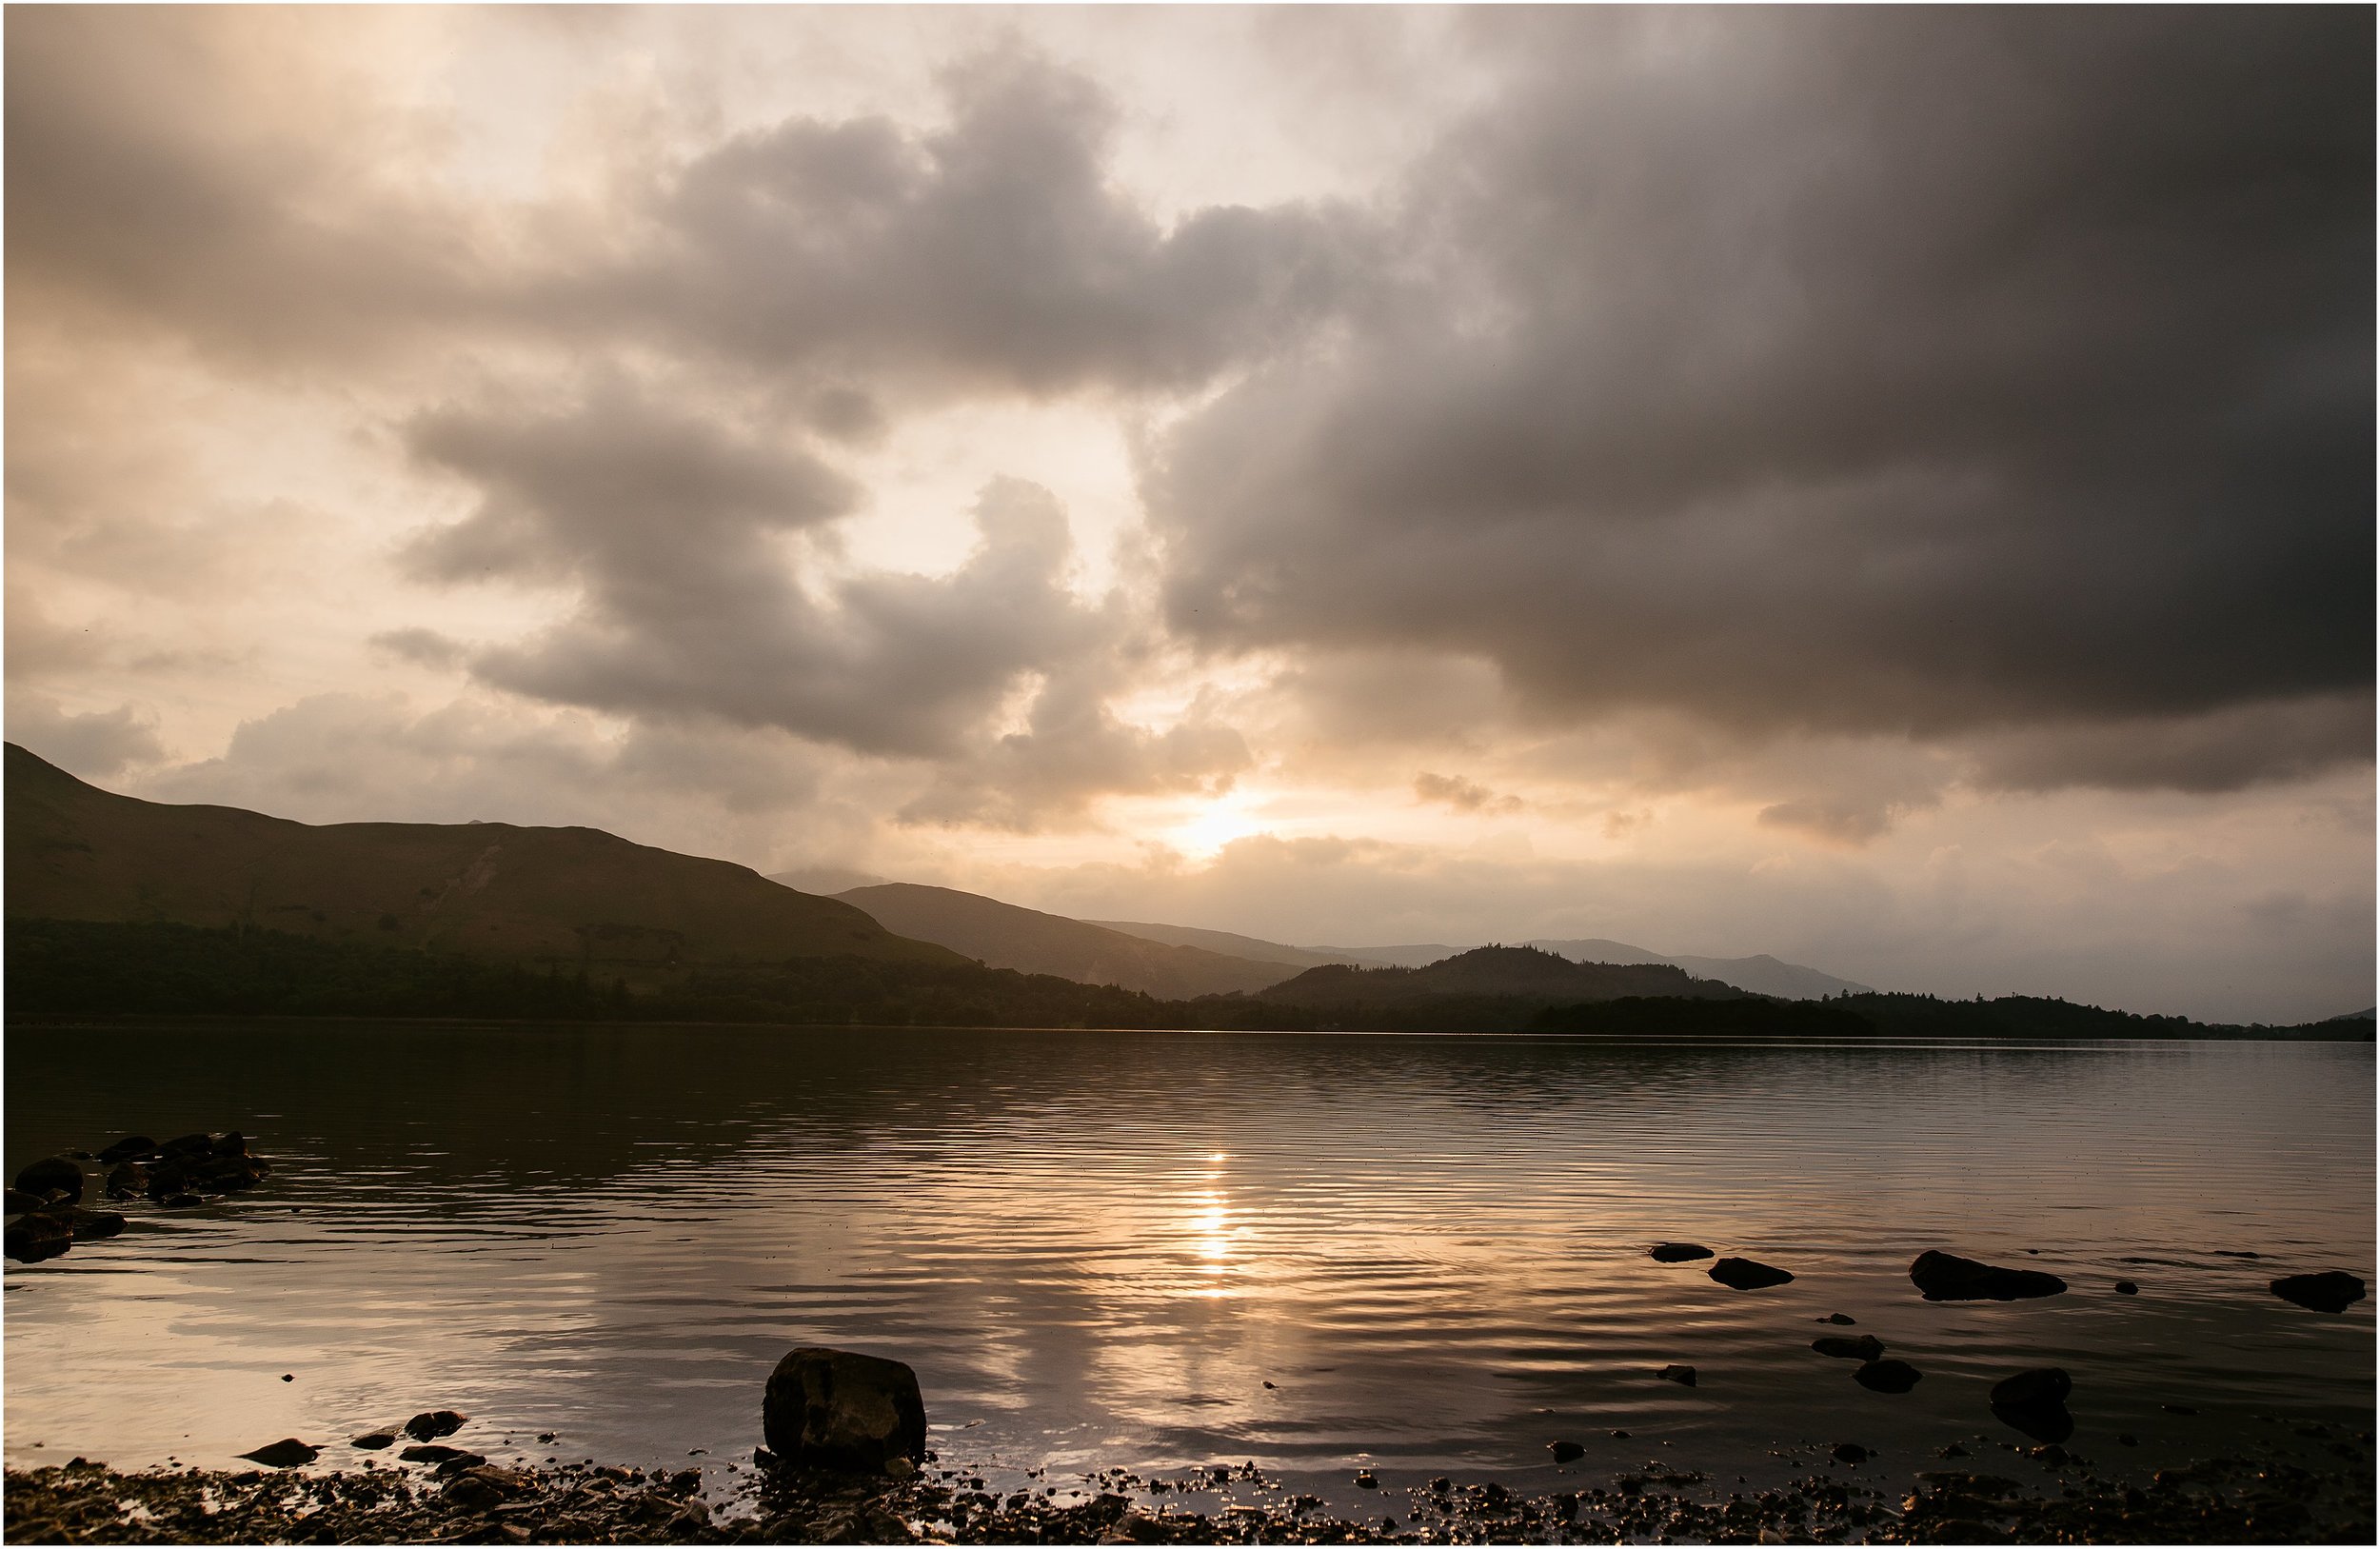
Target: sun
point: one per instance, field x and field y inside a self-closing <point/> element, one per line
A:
<point x="1208" y="826"/>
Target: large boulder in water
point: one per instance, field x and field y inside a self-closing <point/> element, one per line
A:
<point x="1748" y="1274"/>
<point x="1946" y="1277"/>
<point x="2334" y="1290"/>
<point x="842" y="1410"/>
<point x="53" y="1175"/>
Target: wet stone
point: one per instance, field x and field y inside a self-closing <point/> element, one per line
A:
<point x="1888" y="1375"/>
<point x="1677" y="1253"/>
<point x="1685" y="1374"/>
<point x="2334" y="1290"/>
<point x="1748" y="1274"/>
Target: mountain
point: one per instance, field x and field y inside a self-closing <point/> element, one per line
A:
<point x="1229" y="945"/>
<point x="1006" y="936"/>
<point x="1762" y="974"/>
<point x="568" y="897"/>
<point x="1517" y="972"/>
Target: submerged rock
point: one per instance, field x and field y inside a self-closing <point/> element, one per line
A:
<point x="2334" y="1290"/>
<point x="1677" y="1253"/>
<point x="1685" y="1374"/>
<point x="1888" y="1375"/>
<point x="2043" y="1385"/>
<point x="1566" y="1452"/>
<point x="1946" y="1277"/>
<point x="53" y="1175"/>
<point x="1866" y="1347"/>
<point x="1748" y="1274"/>
<point x="2126" y="1288"/>
<point x="2035" y="1403"/>
<point x="440" y="1454"/>
<point x="287" y="1453"/>
<point x="374" y="1441"/>
<point x="126" y="1149"/>
<point x="1850" y="1452"/>
<point x="1841" y="1320"/>
<point x="839" y="1409"/>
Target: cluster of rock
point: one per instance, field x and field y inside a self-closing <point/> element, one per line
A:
<point x="47" y="1216"/>
<point x="2032" y="1401"/>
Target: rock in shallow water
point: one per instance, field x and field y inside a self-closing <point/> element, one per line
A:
<point x="1866" y="1347"/>
<point x="1946" y="1277"/>
<point x="287" y="1453"/>
<point x="1748" y="1274"/>
<point x="1888" y="1375"/>
<point x="2334" y="1290"/>
<point x="2044" y="1384"/>
<point x="434" y="1424"/>
<point x="1679" y="1252"/>
<point x="1565" y="1452"/>
<point x="839" y="1409"/>
<point x="1685" y="1374"/>
<point x="33" y="1238"/>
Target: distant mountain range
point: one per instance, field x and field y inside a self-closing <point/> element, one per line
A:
<point x="1762" y="974"/>
<point x="1005" y="936"/>
<point x="575" y="898"/>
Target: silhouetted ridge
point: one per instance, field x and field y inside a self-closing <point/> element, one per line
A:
<point x="1522" y="972"/>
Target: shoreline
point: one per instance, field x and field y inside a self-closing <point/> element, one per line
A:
<point x="2235" y="1500"/>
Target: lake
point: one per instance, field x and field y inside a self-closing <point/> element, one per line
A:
<point x="1317" y="1252"/>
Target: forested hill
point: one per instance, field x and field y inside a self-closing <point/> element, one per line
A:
<point x="1520" y="972"/>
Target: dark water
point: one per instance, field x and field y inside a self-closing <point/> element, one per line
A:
<point x="1098" y="1249"/>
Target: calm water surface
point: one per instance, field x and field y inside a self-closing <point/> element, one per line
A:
<point x="1099" y="1248"/>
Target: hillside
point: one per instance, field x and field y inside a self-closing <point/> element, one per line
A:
<point x="1761" y="974"/>
<point x="1412" y="955"/>
<point x="574" y="897"/>
<point x="1519" y="973"/>
<point x="1252" y="948"/>
<point x="1006" y="936"/>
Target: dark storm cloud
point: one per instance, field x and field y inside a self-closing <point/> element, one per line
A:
<point x="1927" y="373"/>
<point x="673" y="530"/>
<point x="995" y="250"/>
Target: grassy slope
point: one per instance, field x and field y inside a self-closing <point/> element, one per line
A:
<point x="576" y="897"/>
<point x="1004" y="936"/>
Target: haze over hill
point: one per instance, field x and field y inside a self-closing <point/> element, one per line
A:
<point x="1005" y="936"/>
<point x="574" y="897"/>
<point x="1761" y="974"/>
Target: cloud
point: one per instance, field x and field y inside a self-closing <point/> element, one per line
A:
<point x="1463" y="795"/>
<point x="91" y="745"/>
<point x="671" y="530"/>
<point x="1918" y="375"/>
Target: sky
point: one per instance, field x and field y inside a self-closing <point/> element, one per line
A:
<point x="1887" y="488"/>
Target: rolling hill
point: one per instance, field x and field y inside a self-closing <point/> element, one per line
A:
<point x="572" y="896"/>
<point x="1521" y="973"/>
<point x="1006" y="936"/>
